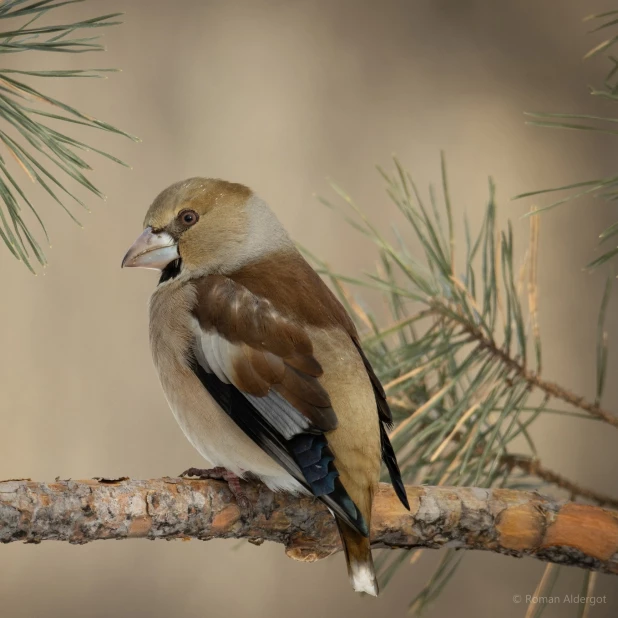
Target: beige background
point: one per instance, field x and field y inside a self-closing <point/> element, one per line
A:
<point x="279" y="95"/>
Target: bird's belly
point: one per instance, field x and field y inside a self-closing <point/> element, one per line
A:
<point x="217" y="437"/>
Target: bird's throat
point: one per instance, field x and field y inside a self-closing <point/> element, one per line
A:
<point x="171" y="271"/>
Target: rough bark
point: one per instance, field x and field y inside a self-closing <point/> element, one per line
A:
<point x="499" y="520"/>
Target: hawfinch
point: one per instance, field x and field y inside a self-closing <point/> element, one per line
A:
<point x="260" y="363"/>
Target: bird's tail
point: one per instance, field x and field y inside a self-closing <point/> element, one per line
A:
<point x="358" y="557"/>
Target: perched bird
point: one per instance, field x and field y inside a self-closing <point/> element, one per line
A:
<point x="260" y="363"/>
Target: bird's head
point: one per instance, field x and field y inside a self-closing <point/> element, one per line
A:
<point x="206" y="226"/>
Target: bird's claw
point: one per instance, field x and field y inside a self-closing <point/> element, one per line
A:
<point x="216" y="474"/>
<point x="233" y="482"/>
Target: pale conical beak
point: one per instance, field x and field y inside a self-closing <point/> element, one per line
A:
<point x="151" y="250"/>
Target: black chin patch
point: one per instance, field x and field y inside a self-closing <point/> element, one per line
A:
<point x="171" y="271"/>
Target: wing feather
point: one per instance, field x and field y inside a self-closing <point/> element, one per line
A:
<point x="305" y="456"/>
<point x="296" y="289"/>
<point x="210" y="350"/>
<point x="259" y="366"/>
<point x="247" y="343"/>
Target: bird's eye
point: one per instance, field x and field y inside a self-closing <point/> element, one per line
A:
<point x="188" y="217"/>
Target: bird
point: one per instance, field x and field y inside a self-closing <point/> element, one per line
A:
<point x="259" y="361"/>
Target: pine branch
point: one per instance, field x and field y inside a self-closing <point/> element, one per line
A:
<point x="509" y="522"/>
<point x="513" y="366"/>
<point x="534" y="380"/>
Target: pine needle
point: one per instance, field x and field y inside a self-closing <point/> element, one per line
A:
<point x="459" y="383"/>
<point x="39" y="151"/>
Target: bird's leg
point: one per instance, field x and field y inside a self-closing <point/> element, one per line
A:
<point x="233" y="482"/>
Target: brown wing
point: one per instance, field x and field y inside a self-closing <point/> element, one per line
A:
<point x="246" y="342"/>
<point x="298" y="290"/>
<point x="259" y="367"/>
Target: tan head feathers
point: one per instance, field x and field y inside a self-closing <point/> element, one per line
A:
<point x="212" y="225"/>
<point x="199" y="194"/>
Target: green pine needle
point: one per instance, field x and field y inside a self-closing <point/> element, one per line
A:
<point x="44" y="155"/>
<point x="606" y="188"/>
<point x="456" y="357"/>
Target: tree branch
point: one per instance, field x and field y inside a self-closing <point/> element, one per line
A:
<point x="534" y="380"/>
<point x="500" y="520"/>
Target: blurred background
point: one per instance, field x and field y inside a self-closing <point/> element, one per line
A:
<point x="281" y="95"/>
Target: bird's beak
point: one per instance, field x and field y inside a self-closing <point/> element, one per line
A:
<point x="151" y="250"/>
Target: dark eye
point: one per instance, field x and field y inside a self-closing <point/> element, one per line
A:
<point x="188" y="217"/>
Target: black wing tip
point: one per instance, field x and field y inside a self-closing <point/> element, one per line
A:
<point x="344" y="508"/>
<point x="362" y="527"/>
<point x="400" y="490"/>
<point x="389" y="458"/>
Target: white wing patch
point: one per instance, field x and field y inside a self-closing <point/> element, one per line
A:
<point x="280" y="414"/>
<point x="216" y="355"/>
<point x="210" y="350"/>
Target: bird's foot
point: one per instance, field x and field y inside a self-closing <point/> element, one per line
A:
<point x="233" y="482"/>
<point x="216" y="474"/>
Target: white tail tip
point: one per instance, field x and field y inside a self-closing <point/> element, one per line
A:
<point x="364" y="579"/>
